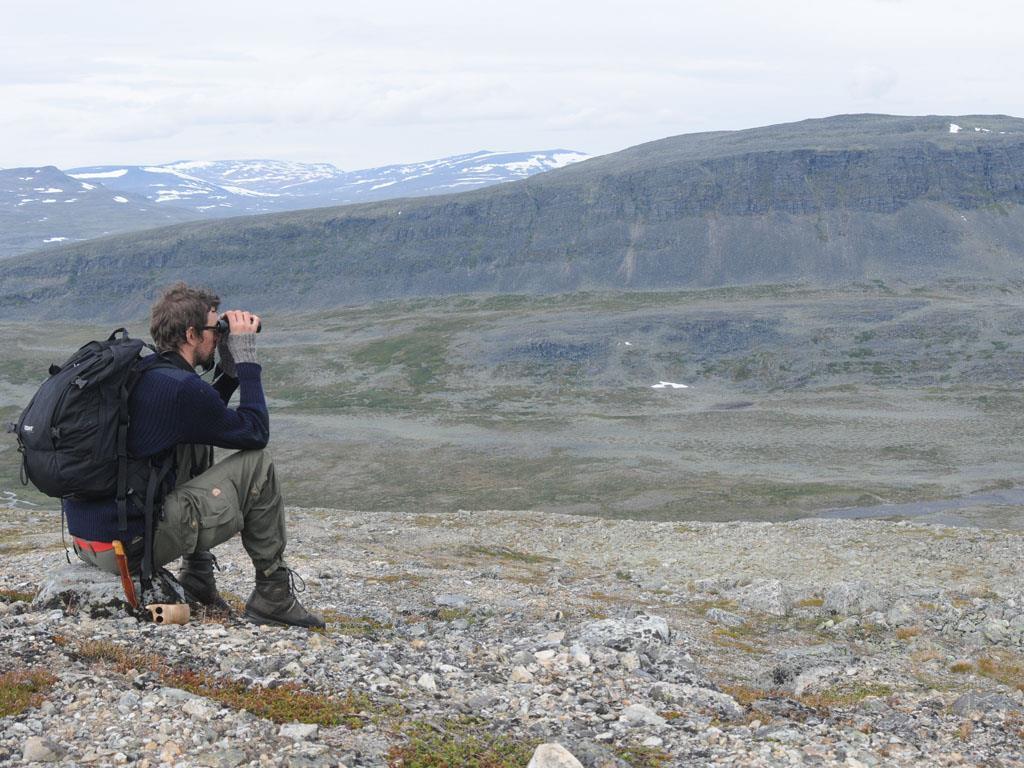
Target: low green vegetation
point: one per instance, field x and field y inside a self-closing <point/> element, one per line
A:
<point x="284" y="703"/>
<point x="23" y="689"/>
<point x="800" y="399"/>
<point x="504" y="553"/>
<point x="639" y="756"/>
<point x="453" y="614"/>
<point x="836" y="697"/>
<point x="461" y="743"/>
<point x="15" y="596"/>
<point x="845" y="695"/>
<point x="1003" y="667"/>
<point x="353" y="626"/>
<point x="421" y="354"/>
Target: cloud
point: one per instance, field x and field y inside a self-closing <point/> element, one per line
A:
<point x="397" y="80"/>
<point x="868" y="82"/>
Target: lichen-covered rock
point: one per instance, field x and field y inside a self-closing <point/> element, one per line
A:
<point x="638" y="714"/>
<point x="40" y="750"/>
<point x="815" y="678"/>
<point x="83" y="588"/>
<point x="725" y="618"/>
<point x="764" y="596"/>
<point x="818" y="661"/>
<point x="900" y="615"/>
<point x="697" y="697"/>
<point x="642" y="633"/>
<point x="80" y="588"/>
<point x="982" y="701"/>
<point x="852" y="597"/>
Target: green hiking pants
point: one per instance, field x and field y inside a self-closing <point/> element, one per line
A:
<point x="239" y="494"/>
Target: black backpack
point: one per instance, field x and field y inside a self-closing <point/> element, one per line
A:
<point x="73" y="436"/>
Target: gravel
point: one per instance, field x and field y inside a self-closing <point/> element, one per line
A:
<point x="857" y="643"/>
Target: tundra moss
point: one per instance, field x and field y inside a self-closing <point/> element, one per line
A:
<point x="505" y="553"/>
<point x="16" y="596"/>
<point x="23" y="689"/>
<point x="463" y="743"/>
<point x="284" y="703"/>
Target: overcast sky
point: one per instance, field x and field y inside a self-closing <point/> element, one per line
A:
<point x="361" y="84"/>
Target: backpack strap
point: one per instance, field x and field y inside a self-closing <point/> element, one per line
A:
<point x="124" y="418"/>
<point x="67" y="554"/>
<point x="156" y="475"/>
<point x="122" y="458"/>
<point x="156" y="479"/>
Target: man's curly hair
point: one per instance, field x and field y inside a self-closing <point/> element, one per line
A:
<point x="179" y="308"/>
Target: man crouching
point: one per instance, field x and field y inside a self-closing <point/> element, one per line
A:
<point x="173" y="411"/>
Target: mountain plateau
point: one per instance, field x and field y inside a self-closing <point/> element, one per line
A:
<point x="826" y="201"/>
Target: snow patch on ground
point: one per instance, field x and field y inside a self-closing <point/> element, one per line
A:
<point x="669" y="385"/>
<point x="119" y="199"/>
<point x="954" y="128"/>
<point x="55" y="240"/>
<point x="562" y="159"/>
<point x="101" y="174"/>
<point x="170" y="171"/>
<point x="248" y="192"/>
<point x="191" y="165"/>
<point x="175" y="194"/>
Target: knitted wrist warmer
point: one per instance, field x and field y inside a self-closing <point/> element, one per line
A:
<point x="242" y="347"/>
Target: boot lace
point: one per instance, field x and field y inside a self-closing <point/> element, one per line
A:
<point x="295" y="582"/>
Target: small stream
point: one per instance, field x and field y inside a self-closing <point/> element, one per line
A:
<point x="10" y="500"/>
<point x="975" y="509"/>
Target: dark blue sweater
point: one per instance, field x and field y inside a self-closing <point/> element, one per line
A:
<point x="170" y="407"/>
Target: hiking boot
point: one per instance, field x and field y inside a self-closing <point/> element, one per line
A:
<point x="274" y="602"/>
<point x="196" y="576"/>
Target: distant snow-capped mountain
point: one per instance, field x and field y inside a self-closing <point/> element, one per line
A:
<point x="42" y="206"/>
<point x="238" y="187"/>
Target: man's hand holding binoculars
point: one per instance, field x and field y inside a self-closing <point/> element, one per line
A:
<point x="238" y="321"/>
<point x="237" y="343"/>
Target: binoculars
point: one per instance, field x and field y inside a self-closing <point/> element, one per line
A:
<point x="223" y="328"/>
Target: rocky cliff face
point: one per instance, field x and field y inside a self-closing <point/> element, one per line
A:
<point x="825" y="201"/>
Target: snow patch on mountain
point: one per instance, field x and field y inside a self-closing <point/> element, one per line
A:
<point x="115" y="174"/>
<point x="233" y="187"/>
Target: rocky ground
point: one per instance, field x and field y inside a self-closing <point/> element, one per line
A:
<point x="471" y="638"/>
